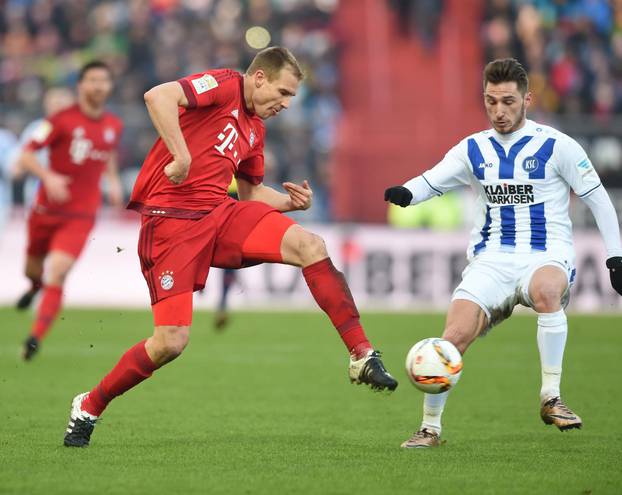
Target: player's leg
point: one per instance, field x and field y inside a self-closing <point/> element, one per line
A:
<point x="66" y="242"/>
<point x="546" y="289"/>
<point x="58" y="266"/>
<point x="276" y="238"/>
<point x="222" y="314"/>
<point x="172" y="319"/>
<point x="466" y="320"/>
<point x="40" y="231"/>
<point x="34" y="272"/>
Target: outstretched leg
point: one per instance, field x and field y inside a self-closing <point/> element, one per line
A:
<point x="276" y="238"/>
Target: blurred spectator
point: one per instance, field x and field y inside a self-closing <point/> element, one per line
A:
<point x="572" y="50"/>
<point x="54" y="100"/>
<point x="147" y="42"/>
<point x="7" y="148"/>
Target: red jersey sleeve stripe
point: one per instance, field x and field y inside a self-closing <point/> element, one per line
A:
<point x="192" y="99"/>
<point x="253" y="179"/>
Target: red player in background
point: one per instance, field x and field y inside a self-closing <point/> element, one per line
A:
<point x="81" y="140"/>
<point x="211" y="129"/>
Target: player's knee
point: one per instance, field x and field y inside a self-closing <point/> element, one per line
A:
<point x="169" y="344"/>
<point x="311" y="248"/>
<point x="56" y="277"/>
<point x="546" y="299"/>
<point x="458" y="337"/>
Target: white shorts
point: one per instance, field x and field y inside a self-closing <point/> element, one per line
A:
<point x="497" y="282"/>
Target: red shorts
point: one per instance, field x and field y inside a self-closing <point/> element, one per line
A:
<point x="176" y="254"/>
<point x="48" y="232"/>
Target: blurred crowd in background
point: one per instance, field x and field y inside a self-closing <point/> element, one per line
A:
<point x="572" y="49"/>
<point x="147" y="42"/>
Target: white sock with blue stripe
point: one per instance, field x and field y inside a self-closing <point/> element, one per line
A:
<point x="552" y="333"/>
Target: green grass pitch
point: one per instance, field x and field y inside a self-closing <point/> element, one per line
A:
<point x="266" y="407"/>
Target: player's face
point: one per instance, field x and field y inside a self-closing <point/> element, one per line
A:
<point x="95" y="86"/>
<point x="270" y="97"/>
<point x="506" y="106"/>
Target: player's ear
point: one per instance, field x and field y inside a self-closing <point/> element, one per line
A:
<point x="528" y="99"/>
<point x="260" y="78"/>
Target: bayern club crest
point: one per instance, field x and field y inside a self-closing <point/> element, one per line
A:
<point x="531" y="164"/>
<point x="166" y="280"/>
<point x="109" y="135"/>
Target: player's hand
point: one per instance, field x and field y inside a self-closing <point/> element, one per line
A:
<point x="57" y="187"/>
<point x="398" y="195"/>
<point x="115" y="193"/>
<point x="615" y="273"/>
<point x="177" y="170"/>
<point x="300" y="196"/>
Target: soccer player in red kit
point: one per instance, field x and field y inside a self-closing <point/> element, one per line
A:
<point x="81" y="141"/>
<point x="211" y="129"/>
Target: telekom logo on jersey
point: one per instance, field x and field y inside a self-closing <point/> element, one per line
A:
<point x="228" y="140"/>
<point x="81" y="148"/>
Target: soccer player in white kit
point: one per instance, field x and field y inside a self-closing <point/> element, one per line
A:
<point x="521" y="249"/>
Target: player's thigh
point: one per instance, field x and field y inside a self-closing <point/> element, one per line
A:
<point x="546" y="286"/>
<point x="41" y="229"/>
<point x="492" y="285"/>
<point x="465" y="321"/>
<point x="252" y="233"/>
<point x="175" y="254"/>
<point x="71" y="236"/>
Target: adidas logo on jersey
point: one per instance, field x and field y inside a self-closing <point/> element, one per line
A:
<point x="235" y="113"/>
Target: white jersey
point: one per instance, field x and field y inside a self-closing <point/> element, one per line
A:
<point x="522" y="181"/>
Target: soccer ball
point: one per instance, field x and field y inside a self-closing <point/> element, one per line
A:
<point x="434" y="365"/>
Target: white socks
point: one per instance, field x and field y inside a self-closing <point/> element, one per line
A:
<point x="433" y="405"/>
<point x="552" y="333"/>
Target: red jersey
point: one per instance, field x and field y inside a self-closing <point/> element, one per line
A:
<point x="224" y="139"/>
<point x="79" y="147"/>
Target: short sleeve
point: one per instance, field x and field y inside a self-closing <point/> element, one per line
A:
<point x="451" y="172"/>
<point x="46" y="133"/>
<point x="576" y="169"/>
<point x="205" y="89"/>
<point x="251" y="170"/>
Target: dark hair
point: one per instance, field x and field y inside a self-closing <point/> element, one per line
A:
<point x="272" y="59"/>
<point x="95" y="64"/>
<point x="506" y="70"/>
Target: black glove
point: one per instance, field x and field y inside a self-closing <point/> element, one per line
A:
<point x="615" y="273"/>
<point x="398" y="195"/>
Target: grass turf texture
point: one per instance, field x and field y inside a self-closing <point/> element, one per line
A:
<point x="266" y="408"/>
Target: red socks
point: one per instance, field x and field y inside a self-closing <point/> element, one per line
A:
<point x="133" y="367"/>
<point x="331" y="292"/>
<point x="48" y="309"/>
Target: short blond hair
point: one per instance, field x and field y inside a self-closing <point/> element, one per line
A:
<point x="272" y="59"/>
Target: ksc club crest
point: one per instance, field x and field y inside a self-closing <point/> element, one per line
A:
<point x="166" y="280"/>
<point x="531" y="164"/>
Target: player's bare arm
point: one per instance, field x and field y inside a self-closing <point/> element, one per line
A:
<point x="163" y="102"/>
<point x="56" y="185"/>
<point x="298" y="197"/>
<point x="115" y="188"/>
